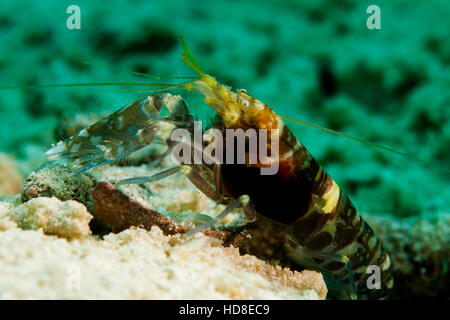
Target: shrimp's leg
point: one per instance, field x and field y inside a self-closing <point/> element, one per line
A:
<point x="243" y="201"/>
<point x="329" y="257"/>
<point x="156" y="162"/>
<point x="189" y="171"/>
<point x="192" y="174"/>
<point x="204" y="186"/>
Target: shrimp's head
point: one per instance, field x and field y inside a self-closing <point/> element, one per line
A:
<point x="237" y="110"/>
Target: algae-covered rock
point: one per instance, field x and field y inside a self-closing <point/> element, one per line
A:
<point x="59" y="182"/>
<point x="420" y="252"/>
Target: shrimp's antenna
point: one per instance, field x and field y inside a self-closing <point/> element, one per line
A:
<point x="136" y="73"/>
<point x="372" y="144"/>
<point x="189" y="59"/>
<point x="95" y="84"/>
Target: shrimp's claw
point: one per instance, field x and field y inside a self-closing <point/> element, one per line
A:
<point x="242" y="201"/>
<point x="124" y="132"/>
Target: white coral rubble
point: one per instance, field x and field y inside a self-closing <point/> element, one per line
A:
<point x="69" y="219"/>
<point x="5" y="221"/>
<point x="140" y="264"/>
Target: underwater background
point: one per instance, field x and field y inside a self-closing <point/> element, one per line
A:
<point x="311" y="60"/>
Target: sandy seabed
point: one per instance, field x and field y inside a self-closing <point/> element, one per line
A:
<point x="138" y="264"/>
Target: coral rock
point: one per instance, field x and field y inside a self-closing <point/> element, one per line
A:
<point x="58" y="182"/>
<point x="68" y="219"/>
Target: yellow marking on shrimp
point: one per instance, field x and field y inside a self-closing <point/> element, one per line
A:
<point x="350" y="249"/>
<point x="386" y="263"/>
<point x="356" y="219"/>
<point x="331" y="198"/>
<point x="319" y="173"/>
<point x="291" y="152"/>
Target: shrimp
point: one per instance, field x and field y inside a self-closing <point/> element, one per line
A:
<point x="317" y="223"/>
<point x="300" y="206"/>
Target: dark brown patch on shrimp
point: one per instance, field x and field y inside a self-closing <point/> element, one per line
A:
<point x="304" y="227"/>
<point x="345" y="235"/>
<point x="319" y="241"/>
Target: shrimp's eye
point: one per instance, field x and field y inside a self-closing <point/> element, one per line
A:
<point x="245" y="103"/>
